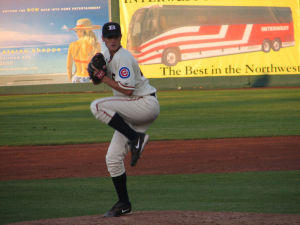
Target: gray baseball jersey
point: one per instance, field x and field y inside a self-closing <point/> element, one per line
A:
<point x="124" y="69"/>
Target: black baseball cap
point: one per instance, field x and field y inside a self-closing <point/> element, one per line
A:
<point x="111" y="29"/>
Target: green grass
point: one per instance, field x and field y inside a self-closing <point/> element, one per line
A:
<point x="66" y="118"/>
<point x="263" y="192"/>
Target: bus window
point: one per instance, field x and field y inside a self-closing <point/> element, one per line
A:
<point x="150" y="27"/>
<point x="283" y="15"/>
<point x="135" y="30"/>
<point x="163" y="23"/>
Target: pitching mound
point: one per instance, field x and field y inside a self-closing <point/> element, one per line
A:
<point x="176" y="217"/>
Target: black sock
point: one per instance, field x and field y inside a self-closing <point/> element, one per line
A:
<point x="121" y="187"/>
<point x="118" y="123"/>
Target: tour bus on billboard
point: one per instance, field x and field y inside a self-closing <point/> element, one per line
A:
<point x="169" y="34"/>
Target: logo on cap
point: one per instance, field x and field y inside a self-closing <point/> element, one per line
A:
<point x="111" y="27"/>
<point x="124" y="72"/>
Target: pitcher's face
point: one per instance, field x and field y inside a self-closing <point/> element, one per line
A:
<point x="113" y="43"/>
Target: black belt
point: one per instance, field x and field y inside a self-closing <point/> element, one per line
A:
<point x="153" y="94"/>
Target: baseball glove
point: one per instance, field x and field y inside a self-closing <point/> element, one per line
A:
<point x="97" y="68"/>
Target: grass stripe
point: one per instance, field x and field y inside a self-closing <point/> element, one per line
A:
<point x="66" y="118"/>
<point x="264" y="192"/>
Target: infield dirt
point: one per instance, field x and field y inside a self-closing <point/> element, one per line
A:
<point x="160" y="157"/>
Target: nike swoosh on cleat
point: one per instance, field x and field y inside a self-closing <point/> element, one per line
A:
<point x="138" y="144"/>
<point x="125" y="211"/>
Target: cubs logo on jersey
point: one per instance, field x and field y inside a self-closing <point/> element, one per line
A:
<point x="124" y="72"/>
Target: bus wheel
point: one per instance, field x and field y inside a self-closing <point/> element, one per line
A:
<point x="276" y="44"/>
<point x="171" y="57"/>
<point x="266" y="45"/>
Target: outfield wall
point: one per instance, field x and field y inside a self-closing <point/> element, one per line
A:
<point x="209" y="82"/>
<point x="197" y="83"/>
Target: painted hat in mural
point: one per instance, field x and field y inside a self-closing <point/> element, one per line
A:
<point x="85" y="24"/>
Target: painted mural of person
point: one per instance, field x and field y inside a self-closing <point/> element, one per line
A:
<point x="81" y="51"/>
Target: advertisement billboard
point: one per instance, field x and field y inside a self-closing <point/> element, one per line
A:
<point x="212" y="38"/>
<point x="35" y="36"/>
